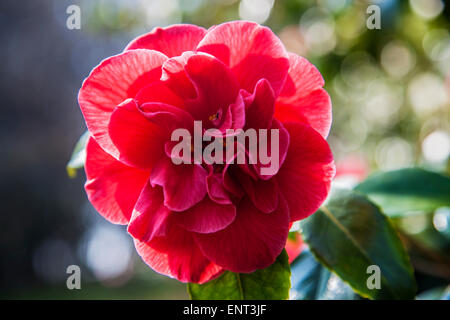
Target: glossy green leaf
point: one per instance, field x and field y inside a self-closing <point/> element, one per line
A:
<point x="350" y="234"/>
<point x="78" y="156"/>
<point x="272" y="283"/>
<point x="407" y="191"/>
<point x="312" y="281"/>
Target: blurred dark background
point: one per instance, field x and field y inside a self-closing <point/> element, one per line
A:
<point x="391" y="99"/>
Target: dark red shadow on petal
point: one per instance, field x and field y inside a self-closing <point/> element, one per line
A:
<point x="253" y="241"/>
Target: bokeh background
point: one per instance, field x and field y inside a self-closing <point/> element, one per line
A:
<point x="391" y="106"/>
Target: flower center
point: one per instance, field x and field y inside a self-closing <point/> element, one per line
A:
<point x="214" y="116"/>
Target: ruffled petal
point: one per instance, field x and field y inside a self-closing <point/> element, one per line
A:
<point x="168" y="118"/>
<point x="184" y="185"/>
<point x="283" y="146"/>
<point x="206" y="216"/>
<point x="174" y="76"/>
<point x="112" y="187"/>
<point x="313" y="109"/>
<point x="158" y="92"/>
<point x="215" y="85"/>
<point x="216" y="189"/>
<point x="302" y="98"/>
<point x="229" y="178"/>
<point x="252" y="51"/>
<point x="260" y="106"/>
<point x="172" y="40"/>
<point x="262" y="193"/>
<point x="150" y="216"/>
<point x="305" y="177"/>
<point x="112" y="82"/>
<point x="253" y="241"/>
<point x="178" y="256"/>
<point x="140" y="143"/>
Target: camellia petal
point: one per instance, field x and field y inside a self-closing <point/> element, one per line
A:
<point x="168" y="118"/>
<point x="283" y="147"/>
<point x="158" y="92"/>
<point x="252" y="51"/>
<point x="302" y="98"/>
<point x="206" y="216"/>
<point x="253" y="241"/>
<point x="112" y="187"/>
<point x="305" y="177"/>
<point x="172" y="40"/>
<point x="112" y="82"/>
<point x="150" y="215"/>
<point x="177" y="255"/>
<point x="139" y="142"/>
<point x="184" y="185"/>
<point x="213" y="93"/>
<point x="174" y="76"/>
<point x="313" y="109"/>
<point x="216" y="189"/>
<point x="263" y="193"/>
<point x="260" y="106"/>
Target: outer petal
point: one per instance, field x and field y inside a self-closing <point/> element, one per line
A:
<point x="305" y="177"/>
<point x="172" y="40"/>
<point x="253" y="241"/>
<point x="184" y="185"/>
<point x="140" y="143"/>
<point x="313" y="109"/>
<point x="302" y="98"/>
<point x="110" y="83"/>
<point x="112" y="187"/>
<point x="206" y="216"/>
<point x="150" y="216"/>
<point x="178" y="256"/>
<point x="253" y="52"/>
<point x="303" y="78"/>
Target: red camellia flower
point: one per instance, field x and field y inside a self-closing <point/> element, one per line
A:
<point x="193" y="221"/>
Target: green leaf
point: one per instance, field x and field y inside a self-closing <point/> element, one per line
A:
<point x="407" y="191"/>
<point x="78" y="156"/>
<point x="350" y="234"/>
<point x="312" y="281"/>
<point x="308" y="277"/>
<point x="272" y="283"/>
